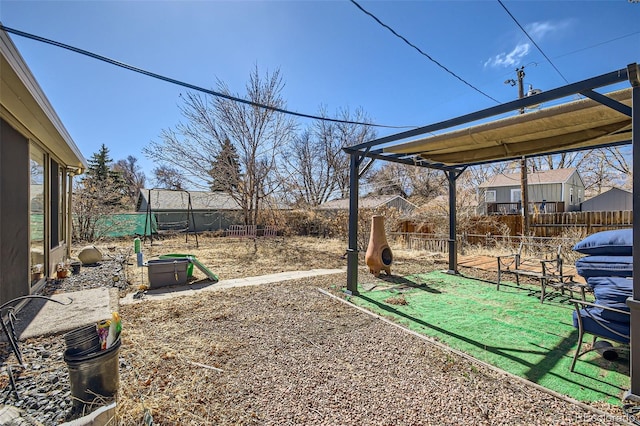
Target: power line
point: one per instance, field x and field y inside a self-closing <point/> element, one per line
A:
<point x="532" y="41"/>
<point x="420" y="51"/>
<point x="598" y="44"/>
<point x="188" y="85"/>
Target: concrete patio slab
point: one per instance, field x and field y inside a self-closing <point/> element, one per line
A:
<point x="76" y="309"/>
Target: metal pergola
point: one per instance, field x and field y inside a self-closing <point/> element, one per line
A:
<point x="597" y="120"/>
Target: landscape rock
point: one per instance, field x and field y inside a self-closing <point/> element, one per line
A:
<point x="90" y="255"/>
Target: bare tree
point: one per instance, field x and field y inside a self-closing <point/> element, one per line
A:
<point x="168" y="178"/>
<point x="309" y="178"/>
<point x="390" y="179"/>
<point x="258" y="135"/>
<point x="133" y="176"/>
<point x="426" y="183"/>
<point x="317" y="167"/>
<point x="348" y="134"/>
<point x="419" y="183"/>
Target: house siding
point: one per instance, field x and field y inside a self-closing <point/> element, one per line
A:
<point x="545" y="191"/>
<point x="613" y="200"/>
<point x="14" y="213"/>
<point x="573" y="183"/>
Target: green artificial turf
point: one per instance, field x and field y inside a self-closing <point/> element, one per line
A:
<point x="509" y="329"/>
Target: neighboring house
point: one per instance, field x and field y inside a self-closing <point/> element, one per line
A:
<point x="38" y="160"/>
<point x="372" y="202"/>
<point x="466" y="203"/>
<point x="549" y="191"/>
<point x="614" y="199"/>
<point x="195" y="211"/>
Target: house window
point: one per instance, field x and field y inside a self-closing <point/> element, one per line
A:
<point x="55" y="204"/>
<point x="490" y="196"/>
<point x="37" y="212"/>
<point x="570" y="195"/>
<point x="58" y="198"/>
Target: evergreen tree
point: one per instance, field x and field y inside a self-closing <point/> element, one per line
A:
<point x="102" y="180"/>
<point x="101" y="192"/>
<point x="225" y="170"/>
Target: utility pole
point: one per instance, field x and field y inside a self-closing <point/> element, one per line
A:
<point x="524" y="193"/>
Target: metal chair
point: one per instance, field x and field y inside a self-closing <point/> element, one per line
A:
<point x="588" y="321"/>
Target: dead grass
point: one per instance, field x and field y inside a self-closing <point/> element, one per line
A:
<point x="286" y="354"/>
<point x="237" y="258"/>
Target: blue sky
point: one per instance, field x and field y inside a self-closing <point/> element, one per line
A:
<point x="330" y="55"/>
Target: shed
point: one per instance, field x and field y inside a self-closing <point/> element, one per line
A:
<point x="195" y="211"/>
<point x="615" y="199"/>
<point x="38" y="160"/>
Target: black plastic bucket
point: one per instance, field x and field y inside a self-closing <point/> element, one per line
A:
<point x="93" y="375"/>
<point x="82" y="340"/>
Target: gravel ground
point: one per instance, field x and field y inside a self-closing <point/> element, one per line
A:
<point x="281" y="354"/>
<point x="292" y="355"/>
<point x="41" y="389"/>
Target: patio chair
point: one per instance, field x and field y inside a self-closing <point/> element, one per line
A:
<point x="554" y="277"/>
<point x="600" y="321"/>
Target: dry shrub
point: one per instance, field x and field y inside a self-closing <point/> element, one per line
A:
<point x="335" y="223"/>
<point x="396" y="300"/>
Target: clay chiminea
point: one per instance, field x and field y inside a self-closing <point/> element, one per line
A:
<point x="379" y="256"/>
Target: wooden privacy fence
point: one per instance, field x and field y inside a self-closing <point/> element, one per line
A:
<point x="585" y="223"/>
<point x="549" y="224"/>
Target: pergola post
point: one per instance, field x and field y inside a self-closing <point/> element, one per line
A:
<point x="352" y="250"/>
<point x="453" y="246"/>
<point x="634" y="301"/>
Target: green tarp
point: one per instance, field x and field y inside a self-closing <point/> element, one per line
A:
<point x="114" y="225"/>
<point x="125" y="224"/>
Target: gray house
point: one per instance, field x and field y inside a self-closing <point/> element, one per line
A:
<point x="614" y="199"/>
<point x="549" y="191"/>
<point x="38" y="160"/>
<point x="372" y="202"/>
<point x="195" y="211"/>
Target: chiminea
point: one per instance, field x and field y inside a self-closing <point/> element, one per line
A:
<point x="379" y="256"/>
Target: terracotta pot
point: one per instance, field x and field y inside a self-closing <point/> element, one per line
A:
<point x="379" y="256"/>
